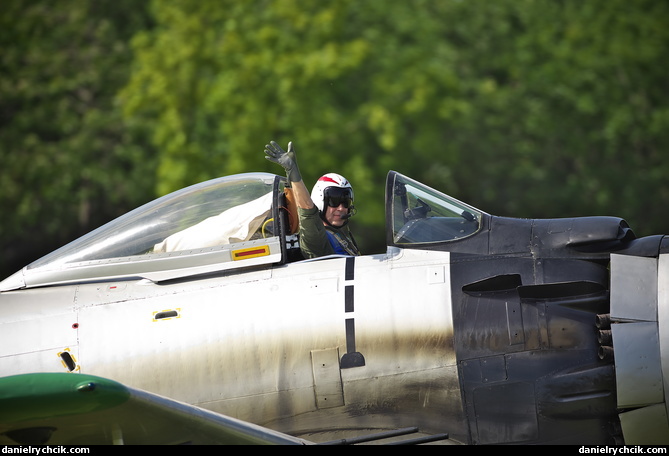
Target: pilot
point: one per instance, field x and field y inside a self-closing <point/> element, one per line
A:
<point x="324" y="212"/>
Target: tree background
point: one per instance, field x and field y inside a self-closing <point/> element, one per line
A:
<point x="523" y="108"/>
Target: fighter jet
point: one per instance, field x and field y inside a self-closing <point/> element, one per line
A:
<point x="195" y="319"/>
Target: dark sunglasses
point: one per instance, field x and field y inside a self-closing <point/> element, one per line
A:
<point x="335" y="196"/>
<point x="335" y="202"/>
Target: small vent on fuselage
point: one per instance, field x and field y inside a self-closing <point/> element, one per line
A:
<point x="166" y="314"/>
<point x="68" y="361"/>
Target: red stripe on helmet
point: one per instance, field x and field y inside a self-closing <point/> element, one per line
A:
<point x="329" y="179"/>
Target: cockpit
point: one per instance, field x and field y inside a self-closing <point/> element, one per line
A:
<point x="230" y="223"/>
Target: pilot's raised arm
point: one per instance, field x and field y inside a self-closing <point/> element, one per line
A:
<point x="324" y="212"/>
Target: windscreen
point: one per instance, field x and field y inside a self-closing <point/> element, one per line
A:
<point x="420" y="214"/>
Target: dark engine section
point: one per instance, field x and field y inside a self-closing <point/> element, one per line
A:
<point x="530" y="299"/>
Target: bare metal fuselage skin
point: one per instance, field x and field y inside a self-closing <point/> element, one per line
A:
<point x="498" y="337"/>
<point x="263" y="346"/>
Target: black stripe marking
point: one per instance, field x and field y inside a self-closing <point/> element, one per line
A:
<point x="348" y="298"/>
<point x="350" y="335"/>
<point x="350" y="268"/>
<point x="352" y="358"/>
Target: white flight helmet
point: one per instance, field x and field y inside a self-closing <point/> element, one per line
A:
<point x="331" y="185"/>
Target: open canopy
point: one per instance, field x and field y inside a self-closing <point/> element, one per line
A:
<point x="225" y="223"/>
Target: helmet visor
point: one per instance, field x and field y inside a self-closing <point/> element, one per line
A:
<point x="334" y="196"/>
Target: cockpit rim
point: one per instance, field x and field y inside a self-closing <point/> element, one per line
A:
<point x="194" y="261"/>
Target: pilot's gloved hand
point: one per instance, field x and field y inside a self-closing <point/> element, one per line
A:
<point x="274" y="153"/>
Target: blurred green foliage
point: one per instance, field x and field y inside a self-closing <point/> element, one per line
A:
<point x="525" y="108"/>
<point x="70" y="161"/>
